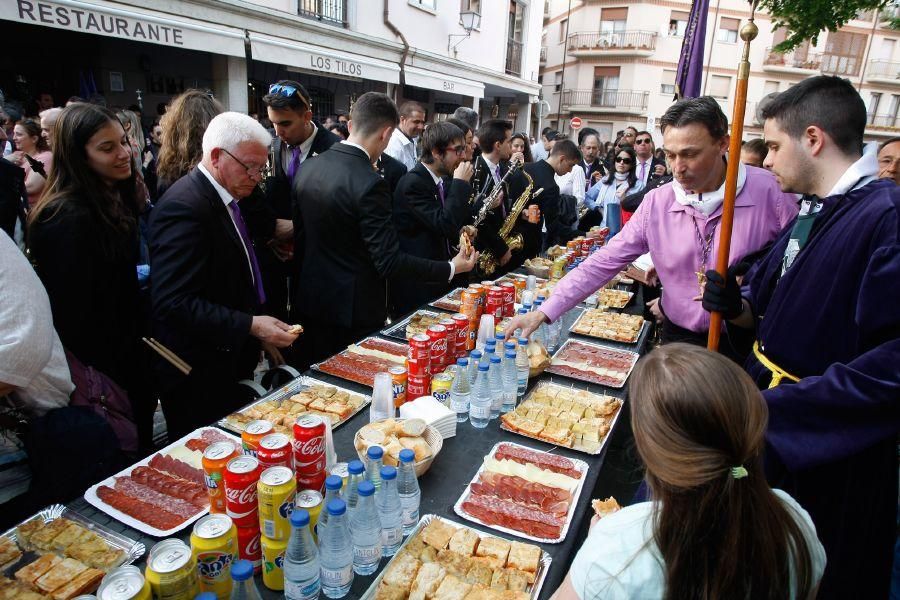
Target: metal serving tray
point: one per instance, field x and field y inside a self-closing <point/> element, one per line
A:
<point x="634" y="356"/>
<point x="535" y="588"/>
<point x="579" y="464"/>
<point x="323" y="367"/>
<point x="449" y="301"/>
<point x="641" y="332"/>
<point x="397" y="331"/>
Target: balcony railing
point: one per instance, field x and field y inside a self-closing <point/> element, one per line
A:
<point x="835" y="64"/>
<point x="883" y="69"/>
<point x="543" y="54"/>
<point x="625" y="100"/>
<point x="333" y="12"/>
<point x="811" y="61"/>
<point x="612" y="40"/>
<point x="513" y="57"/>
<point x="889" y="13"/>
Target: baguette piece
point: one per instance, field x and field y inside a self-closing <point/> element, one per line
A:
<point x="412" y="428"/>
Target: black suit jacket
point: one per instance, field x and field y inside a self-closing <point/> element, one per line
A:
<point x="278" y="188"/>
<point x="653" y="162"/>
<point x="542" y="174"/>
<point x="346" y="243"/>
<point x="391" y="169"/>
<point x="595" y="167"/>
<point x="202" y="288"/>
<point x="482" y="185"/>
<point x="428" y="229"/>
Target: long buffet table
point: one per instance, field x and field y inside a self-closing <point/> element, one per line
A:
<point x="458" y="461"/>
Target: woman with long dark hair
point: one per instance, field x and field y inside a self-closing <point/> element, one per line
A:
<point x="603" y="199"/>
<point x="183" y="125"/>
<point x="519" y="143"/>
<point x="713" y="528"/>
<point x="84" y="243"/>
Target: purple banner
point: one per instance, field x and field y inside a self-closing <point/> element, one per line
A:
<point x="690" y="64"/>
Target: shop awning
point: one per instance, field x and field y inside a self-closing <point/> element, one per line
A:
<point x="446" y="83"/>
<point x="127" y="23"/>
<point x="307" y="57"/>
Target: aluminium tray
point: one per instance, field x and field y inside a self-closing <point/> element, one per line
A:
<point x="640" y="333"/>
<point x="397" y="331"/>
<point x="554" y="366"/>
<point x="400" y="350"/>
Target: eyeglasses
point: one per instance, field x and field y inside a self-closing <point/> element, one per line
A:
<point x="623" y="159"/>
<point x="251" y="173"/>
<point x="287" y="91"/>
<point x="643" y="141"/>
<point x="457" y="149"/>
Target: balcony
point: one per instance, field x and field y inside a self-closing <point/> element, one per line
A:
<point x="612" y="43"/>
<point x="799" y="62"/>
<point x="888" y="14"/>
<point x="543" y="55"/>
<point x="883" y="71"/>
<point x="627" y="102"/>
<point x="332" y="12"/>
<point x="844" y="66"/>
<point x="514" y="58"/>
<point x="883" y="122"/>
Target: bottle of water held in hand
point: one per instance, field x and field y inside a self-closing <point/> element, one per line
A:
<point x="333" y="485"/>
<point x="301" y="560"/>
<point x="390" y="512"/>
<point x="365" y="531"/>
<point x="408" y="489"/>
<point x="495" y="378"/>
<point x="336" y="552"/>
<point x="523" y="367"/>
<point x="357" y="474"/>
<point x="243" y="587"/>
<point x="374" y="456"/>
<point x="480" y="402"/>
<point x="461" y="391"/>
<point x="510" y="380"/>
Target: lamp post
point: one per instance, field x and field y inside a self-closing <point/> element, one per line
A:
<point x="468" y="20"/>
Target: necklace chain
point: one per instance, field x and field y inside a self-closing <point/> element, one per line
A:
<point x="705" y="248"/>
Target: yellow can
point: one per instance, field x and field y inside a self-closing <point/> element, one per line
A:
<point x="440" y="387"/>
<point x="214" y="546"/>
<point x="275" y="493"/>
<point x="311" y="502"/>
<point x="171" y="571"/>
<point x="273" y="562"/>
<point x="124" y="583"/>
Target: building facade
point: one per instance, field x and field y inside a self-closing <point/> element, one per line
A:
<point x="613" y="64"/>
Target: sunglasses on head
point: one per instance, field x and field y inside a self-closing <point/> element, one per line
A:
<point x="643" y="141"/>
<point x="287" y="91"/>
<point x="623" y="159"/>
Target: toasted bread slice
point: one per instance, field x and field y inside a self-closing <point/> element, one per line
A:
<point x="452" y="588"/>
<point x="525" y="557"/>
<point x="437" y="534"/>
<point x="464" y="541"/>
<point x="85" y="583"/>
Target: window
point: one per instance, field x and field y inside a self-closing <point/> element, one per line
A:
<point x="470" y="5"/>
<point x="334" y="12"/>
<point x="430" y="5"/>
<point x="678" y="23"/>
<point x="515" y="34"/>
<point x="557" y="81"/>
<point x="874" y="101"/>
<point x="719" y="86"/>
<point x="770" y="87"/>
<point x="563" y="27"/>
<point x="844" y="52"/>
<point x="606" y="86"/>
<point x="612" y="25"/>
<point x="728" y="30"/>
<point x="668" y="82"/>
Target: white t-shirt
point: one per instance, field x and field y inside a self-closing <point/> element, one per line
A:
<point x="619" y="558"/>
<point x="31" y="356"/>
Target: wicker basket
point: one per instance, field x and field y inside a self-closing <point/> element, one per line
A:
<point x="432" y="438"/>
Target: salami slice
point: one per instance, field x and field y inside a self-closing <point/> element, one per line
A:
<point x="529" y="493"/>
<point x="178" y="468"/>
<point x="493" y="511"/>
<point x="145" y="512"/>
<point x="544" y="460"/>
<point x="172" y="486"/>
<point x="207" y="437"/>
<point x="139" y="491"/>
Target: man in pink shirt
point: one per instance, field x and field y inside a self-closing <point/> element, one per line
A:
<point x="678" y="224"/>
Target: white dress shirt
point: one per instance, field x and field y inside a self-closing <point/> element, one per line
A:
<point x="305" y="146"/>
<point x="648" y="169"/>
<point x="572" y="183"/>
<point x="402" y="148"/>
<point x="226" y="200"/>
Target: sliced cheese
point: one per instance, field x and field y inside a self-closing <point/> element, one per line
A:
<point x="355" y="349"/>
<point x="530" y="472"/>
<point x="191" y="457"/>
<point x="582" y="366"/>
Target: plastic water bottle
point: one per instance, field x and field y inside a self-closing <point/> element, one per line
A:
<point x="357" y="474"/>
<point x="408" y="489"/>
<point x="374" y="456"/>
<point x="474" y="361"/>
<point x="523" y="367"/>
<point x="390" y="512"/>
<point x="333" y="485"/>
<point x="336" y="552"/>
<point x="301" y="560"/>
<point x="365" y="531"/>
<point x="499" y="339"/>
<point x="510" y="381"/>
<point x="243" y="587"/>
<point x="554" y="330"/>
<point x="495" y="378"/>
<point x="518" y="332"/>
<point x="490" y="348"/>
<point x="480" y="404"/>
<point x="461" y="390"/>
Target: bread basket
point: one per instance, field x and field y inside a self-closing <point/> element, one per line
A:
<point x="537" y="269"/>
<point x="431" y="436"/>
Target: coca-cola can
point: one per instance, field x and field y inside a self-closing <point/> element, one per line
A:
<point x="275" y="450"/>
<point x="249" y="547"/>
<point x="416" y="387"/>
<point x="241" y="476"/>
<point x="452" y="328"/>
<point x="494" y="305"/>
<point x="509" y="298"/>
<point x="462" y="334"/>
<point x="309" y="452"/>
<point x="418" y="361"/>
<point x="438" y="336"/>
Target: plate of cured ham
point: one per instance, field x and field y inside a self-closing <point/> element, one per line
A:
<point x="165" y="492"/>
<point x="452" y="301"/>
<point x="361" y="362"/>
<point x="594" y="363"/>
<point x="524" y="492"/>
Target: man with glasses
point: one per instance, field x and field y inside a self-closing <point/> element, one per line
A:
<point x="404" y="140"/>
<point x="429" y="212"/>
<point x="648" y="166"/>
<point x="207" y="291"/>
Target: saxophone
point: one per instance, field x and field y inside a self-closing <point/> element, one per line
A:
<point x="487" y="262"/>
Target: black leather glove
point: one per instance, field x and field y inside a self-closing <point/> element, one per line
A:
<point x="724" y="296"/>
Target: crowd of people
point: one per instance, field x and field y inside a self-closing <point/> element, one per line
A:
<point x="213" y="233"/>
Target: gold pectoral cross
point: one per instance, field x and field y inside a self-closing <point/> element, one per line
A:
<point x="701" y="277"/>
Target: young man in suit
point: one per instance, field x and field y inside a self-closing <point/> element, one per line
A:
<point x="346" y="243"/>
<point x="405" y="138"/>
<point x="206" y="287"/>
<point x="429" y="212"/>
<point x="648" y="166"/>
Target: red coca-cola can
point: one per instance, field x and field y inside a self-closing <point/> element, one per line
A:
<point x="462" y="334"/>
<point x="241" y="476"/>
<point x="586" y="245"/>
<point x="275" y="450"/>
<point x="494" y="305"/>
<point x="452" y="328"/>
<point x="418" y="359"/>
<point x="509" y="298"/>
<point x="249" y="546"/>
<point x="416" y="387"/>
<point x="438" y="336"/>
<point x="309" y="452"/>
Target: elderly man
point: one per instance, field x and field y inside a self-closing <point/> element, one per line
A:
<point x="206" y="286"/>
<point x="48" y="122"/>
<point x="889" y="160"/>
<point x="402" y="145"/>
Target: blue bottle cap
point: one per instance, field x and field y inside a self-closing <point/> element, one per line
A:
<point x="475" y="354"/>
<point x="541" y="298"/>
<point x="299" y="517"/>
<point x="205" y="596"/>
<point x="241" y="570"/>
<point x="510" y="353"/>
<point x="510" y="345"/>
<point x="490" y="349"/>
<point x="355" y="467"/>
<point x="462" y="362"/>
<point x="366" y="488"/>
<point x="388" y="473"/>
<point x="490" y="342"/>
<point x="484" y="367"/>
<point x="495" y="359"/>
<point x="523" y="341"/>
<point x="407" y="455"/>
<point x="523" y="311"/>
<point x="375" y="452"/>
<point x="337" y="507"/>
<point x="333" y="482"/>
<point x="499" y="336"/>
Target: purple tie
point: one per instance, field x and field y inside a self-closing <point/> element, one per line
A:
<point x="643" y="170"/>
<point x="248" y="245"/>
<point x="294" y="165"/>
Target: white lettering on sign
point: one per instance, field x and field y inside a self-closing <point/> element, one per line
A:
<point x="94" y="22"/>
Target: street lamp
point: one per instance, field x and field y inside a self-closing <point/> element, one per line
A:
<point x="468" y="20"/>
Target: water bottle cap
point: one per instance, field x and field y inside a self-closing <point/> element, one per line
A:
<point x="375" y="452"/>
<point x="462" y="362"/>
<point x="510" y="345"/>
<point x="388" y="473"/>
<point x="523" y="311"/>
<point x="333" y="482"/>
<point x="241" y="570"/>
<point x="499" y="336"/>
<point x="541" y="298"/>
<point x="337" y="507"/>
<point x="475" y="353"/>
<point x="205" y="596"/>
<point x="355" y="467"/>
<point x="490" y="349"/>
<point x="510" y="353"/>
<point x="483" y="367"/>
<point x="299" y="517"/>
<point x="523" y="341"/>
<point x="495" y="359"/>
<point x="366" y="488"/>
<point x="407" y="455"/>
